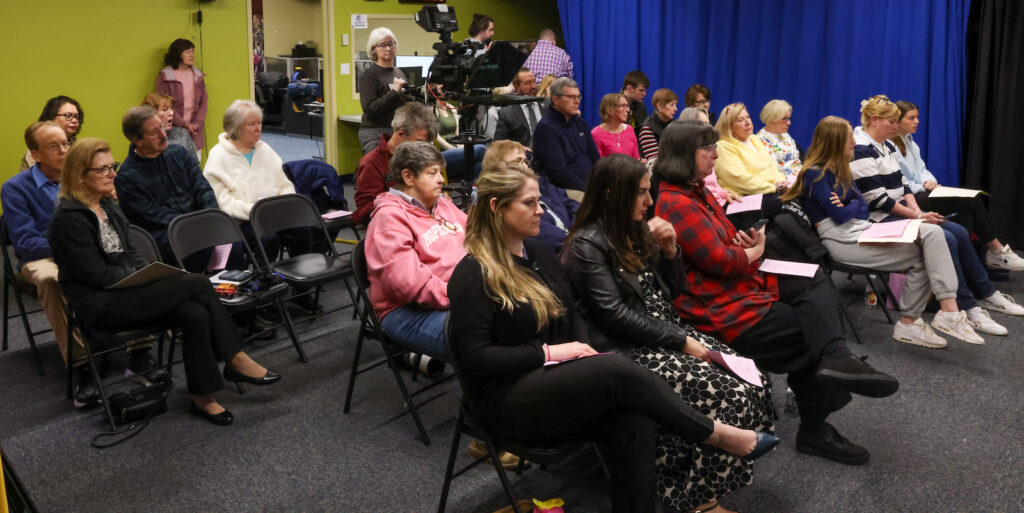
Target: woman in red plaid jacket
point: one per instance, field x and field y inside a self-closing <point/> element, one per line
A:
<point x="786" y="324"/>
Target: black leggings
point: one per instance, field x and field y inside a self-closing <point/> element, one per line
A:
<point x="971" y="213"/>
<point x="611" y="399"/>
<point x="189" y="302"/>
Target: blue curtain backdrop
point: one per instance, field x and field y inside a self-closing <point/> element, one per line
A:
<point x="822" y="56"/>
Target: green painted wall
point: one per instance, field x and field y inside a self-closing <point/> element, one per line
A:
<point x="514" y="19"/>
<point x="106" y="55"/>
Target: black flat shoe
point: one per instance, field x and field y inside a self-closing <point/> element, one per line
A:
<point x="765" y="443"/>
<point x="230" y="374"/>
<point x="223" y="418"/>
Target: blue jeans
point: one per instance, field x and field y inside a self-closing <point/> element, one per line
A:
<point x="970" y="273"/>
<point x="417" y="329"/>
<point x="454" y="158"/>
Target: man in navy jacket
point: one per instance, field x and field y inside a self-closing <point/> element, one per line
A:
<point x="563" y="149"/>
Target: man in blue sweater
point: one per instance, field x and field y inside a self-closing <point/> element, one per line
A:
<point x="563" y="149"/>
<point x="157" y="183"/>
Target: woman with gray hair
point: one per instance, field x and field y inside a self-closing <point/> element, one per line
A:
<point x="380" y="88"/>
<point x="242" y="169"/>
<point x="787" y="153"/>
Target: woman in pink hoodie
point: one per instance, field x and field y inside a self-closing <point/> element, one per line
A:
<point x="413" y="243"/>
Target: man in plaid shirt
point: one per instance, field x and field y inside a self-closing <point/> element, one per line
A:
<point x="548" y="59"/>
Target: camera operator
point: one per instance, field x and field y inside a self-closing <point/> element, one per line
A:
<point x="481" y="31"/>
<point x="380" y="88"/>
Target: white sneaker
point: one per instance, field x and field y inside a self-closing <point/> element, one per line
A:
<point x="981" y="321"/>
<point x="917" y="333"/>
<point x="1005" y="259"/>
<point x="955" y="324"/>
<point x="1001" y="303"/>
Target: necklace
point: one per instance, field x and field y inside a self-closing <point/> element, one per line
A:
<point x="454" y="228"/>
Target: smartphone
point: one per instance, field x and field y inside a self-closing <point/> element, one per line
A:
<point x="760" y="222"/>
<point x="239" y="276"/>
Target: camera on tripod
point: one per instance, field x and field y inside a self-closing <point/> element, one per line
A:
<point x="454" y="62"/>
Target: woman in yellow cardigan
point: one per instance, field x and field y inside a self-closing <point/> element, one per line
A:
<point x="744" y="165"/>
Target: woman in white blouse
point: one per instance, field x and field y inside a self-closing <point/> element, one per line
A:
<point x="776" y="116"/>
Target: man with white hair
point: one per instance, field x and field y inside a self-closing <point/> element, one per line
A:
<point x="548" y="59"/>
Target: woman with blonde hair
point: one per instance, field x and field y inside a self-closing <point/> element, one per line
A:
<point x="164" y="105"/>
<point x="512" y="313"/>
<point x="839" y="213"/>
<point x="544" y="87"/>
<point x="89" y="237"/>
<point x="559" y="209"/>
<point x="744" y="165"/>
<point x="776" y="116"/>
<point x="614" y="135"/>
<point x="876" y="171"/>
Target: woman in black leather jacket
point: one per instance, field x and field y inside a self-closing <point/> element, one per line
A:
<point x="627" y="272"/>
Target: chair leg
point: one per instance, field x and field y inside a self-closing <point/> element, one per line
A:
<point x="450" y="468"/>
<point x="410" y="406"/>
<point x="28" y="333"/>
<point x="505" y="483"/>
<point x="94" y="371"/>
<point x="355" y="370"/>
<point x="69" y="361"/>
<point x="7" y="316"/>
<point x="291" y="330"/>
<point x="881" y="298"/>
<point x="600" y="459"/>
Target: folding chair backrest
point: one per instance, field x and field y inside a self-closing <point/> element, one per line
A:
<point x="203" y="229"/>
<point x="361" y="274"/>
<point x="144" y="243"/>
<point x="5" y="237"/>
<point x="276" y="213"/>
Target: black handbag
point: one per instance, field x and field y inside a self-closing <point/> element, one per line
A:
<point x="140" y="403"/>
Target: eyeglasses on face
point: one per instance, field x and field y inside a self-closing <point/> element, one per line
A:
<point x="64" y="145"/>
<point x="69" y="116"/>
<point x="706" y="101"/>
<point x="105" y="170"/>
<point x="622" y="106"/>
<point x="709" y="147"/>
<point x="387" y="44"/>
<point x="574" y="97"/>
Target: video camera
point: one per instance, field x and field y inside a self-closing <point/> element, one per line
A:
<point x="454" y="62"/>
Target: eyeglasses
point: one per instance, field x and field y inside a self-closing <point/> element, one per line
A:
<point x="623" y="106"/>
<point x="69" y="116"/>
<point x="55" y="146"/>
<point x="105" y="170"/>
<point x="574" y="97"/>
<point x="709" y="147"/>
<point x="387" y="44"/>
<point x="787" y="118"/>
<point x="706" y="101"/>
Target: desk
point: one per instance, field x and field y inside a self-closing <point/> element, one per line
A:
<point x="351" y="119"/>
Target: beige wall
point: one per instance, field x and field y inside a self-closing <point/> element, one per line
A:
<point x="285" y="22"/>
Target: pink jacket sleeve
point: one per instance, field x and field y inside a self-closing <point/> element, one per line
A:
<point x="711" y="182"/>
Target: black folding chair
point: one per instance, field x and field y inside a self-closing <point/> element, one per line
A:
<point x="309" y="271"/>
<point x="195" y="231"/>
<point x="466" y="421"/>
<point x="369" y="327"/>
<point x="877" y="280"/>
<point x="144" y="243"/>
<point x="17" y="283"/>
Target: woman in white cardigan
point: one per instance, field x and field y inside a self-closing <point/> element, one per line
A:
<point x="242" y="169"/>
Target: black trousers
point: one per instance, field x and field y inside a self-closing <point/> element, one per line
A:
<point x="612" y="400"/>
<point x="971" y="213"/>
<point x="800" y="329"/>
<point x="187" y="300"/>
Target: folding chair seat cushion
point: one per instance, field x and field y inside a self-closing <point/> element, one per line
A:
<point x="311" y="269"/>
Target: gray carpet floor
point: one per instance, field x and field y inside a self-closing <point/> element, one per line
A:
<point x="949" y="440"/>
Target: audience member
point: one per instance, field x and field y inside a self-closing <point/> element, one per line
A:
<point x="66" y="112"/>
<point x="969" y="212"/>
<point x="838" y="211"/>
<point x="776" y="116"/>
<point x="559" y="209"/>
<point x="786" y="324"/>
<point x="518" y="122"/>
<point x="380" y="88"/>
<point x="563" y="148"/>
<point x="512" y="311"/>
<point x="91" y="245"/>
<point x="413" y="242"/>
<point x="182" y="80"/>
<point x="698" y="95"/>
<point x="876" y="171"/>
<point x="548" y="59"/>
<point x="411" y="122"/>
<point x="634" y="87"/>
<point x="626" y="271"/>
<point x="157" y="183"/>
<point x="241" y="169"/>
<point x="481" y="33"/>
<point x="544" y="87"/>
<point x="711" y="181"/>
<point x="665" y="103"/>
<point x="744" y="165"/>
<point x="613" y="135"/>
<point x="28" y="200"/>
<point x="176" y="135"/>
